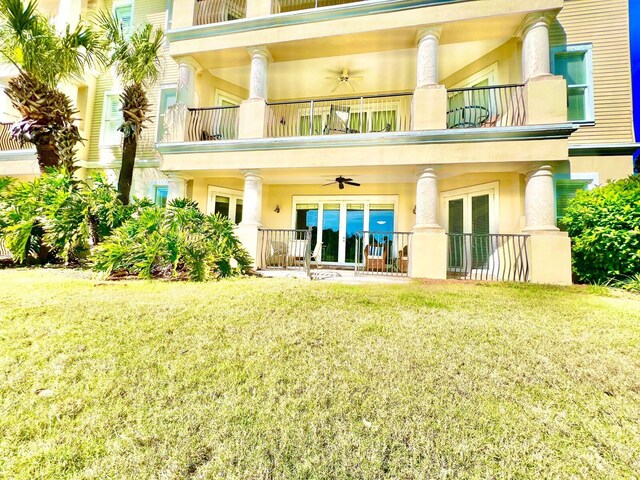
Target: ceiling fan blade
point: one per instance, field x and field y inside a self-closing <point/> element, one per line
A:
<point x="327" y="184"/>
<point x="347" y="179"/>
<point x="336" y="87"/>
<point x="330" y="78"/>
<point x="353" y="183"/>
<point x="350" y="86"/>
<point x="341" y="186"/>
<point x="357" y="77"/>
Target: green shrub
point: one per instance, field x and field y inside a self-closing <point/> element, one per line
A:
<point x="604" y="225"/>
<point x="178" y="241"/>
<point x="56" y="218"/>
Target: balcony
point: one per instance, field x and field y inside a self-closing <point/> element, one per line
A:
<point x="216" y="11"/>
<point x="499" y="106"/>
<point x="7" y="142"/>
<point x="213" y="123"/>
<point x="370" y="114"/>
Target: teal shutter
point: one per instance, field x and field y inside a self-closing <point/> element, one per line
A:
<point x="566" y="190"/>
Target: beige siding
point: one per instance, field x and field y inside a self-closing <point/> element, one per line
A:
<point x="605" y="24"/>
<point x="154" y="12"/>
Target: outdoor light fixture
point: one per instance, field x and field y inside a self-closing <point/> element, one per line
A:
<point x="277" y="209"/>
<point x="414" y="209"/>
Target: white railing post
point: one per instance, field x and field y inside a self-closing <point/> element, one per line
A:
<point x="311" y="119"/>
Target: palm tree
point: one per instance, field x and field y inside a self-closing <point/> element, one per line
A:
<point x="45" y="57"/>
<point x="136" y="59"/>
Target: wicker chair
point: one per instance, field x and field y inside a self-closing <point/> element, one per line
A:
<point x="375" y="257"/>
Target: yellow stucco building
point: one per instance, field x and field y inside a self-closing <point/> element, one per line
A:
<point x="466" y="124"/>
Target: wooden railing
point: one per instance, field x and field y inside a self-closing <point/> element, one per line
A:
<point x="281" y="6"/>
<point x="370" y="114"/>
<point x="7" y="142"/>
<point x="499" y="257"/>
<point x="213" y="123"/>
<point x="481" y="107"/>
<point x="216" y="11"/>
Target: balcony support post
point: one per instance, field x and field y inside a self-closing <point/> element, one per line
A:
<point x="429" y="103"/>
<point x="535" y="47"/>
<point x="253" y="112"/>
<point x="258" y="8"/>
<point x="177" y="185"/>
<point x="429" y="248"/>
<point x="550" y="249"/>
<point x="251" y="214"/>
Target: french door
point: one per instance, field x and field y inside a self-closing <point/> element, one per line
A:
<point x="470" y="217"/>
<point x="336" y="221"/>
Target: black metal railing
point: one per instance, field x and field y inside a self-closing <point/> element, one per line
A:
<point x="383" y="253"/>
<point x="212" y="123"/>
<point x="216" y="11"/>
<point x="481" y="107"/>
<point x="7" y="142"/>
<point x="499" y="257"/>
<point x="365" y="114"/>
<point x="281" y="6"/>
<point x="283" y="249"/>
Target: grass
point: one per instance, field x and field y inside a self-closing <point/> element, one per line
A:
<point x="271" y="379"/>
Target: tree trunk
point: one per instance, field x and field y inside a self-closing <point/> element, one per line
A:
<point x="129" y="146"/>
<point x="47" y="155"/>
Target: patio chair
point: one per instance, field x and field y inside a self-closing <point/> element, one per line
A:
<point x="403" y="259"/>
<point x="375" y="257"/>
<point x="296" y="252"/>
<point x="316" y="254"/>
<point x="276" y="254"/>
<point x="338" y="121"/>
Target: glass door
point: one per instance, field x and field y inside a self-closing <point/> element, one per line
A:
<point x="354" y="224"/>
<point x="331" y="237"/>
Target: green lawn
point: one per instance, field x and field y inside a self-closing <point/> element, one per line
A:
<point x="270" y="379"/>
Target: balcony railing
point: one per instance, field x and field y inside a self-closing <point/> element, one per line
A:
<point x="7" y="142"/>
<point x="383" y="253"/>
<point x="488" y="257"/>
<point x="500" y="106"/>
<point x="213" y="123"/>
<point x="378" y="113"/>
<point x="281" y="6"/>
<point x="216" y="11"/>
<point x="282" y="249"/>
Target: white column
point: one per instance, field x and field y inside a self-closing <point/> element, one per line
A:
<point x="252" y="200"/>
<point x="177" y="186"/>
<point x="427" y="60"/>
<point x="260" y="58"/>
<point x="186" y="92"/>
<point x="539" y="200"/>
<point x="427" y="199"/>
<point x="535" y="48"/>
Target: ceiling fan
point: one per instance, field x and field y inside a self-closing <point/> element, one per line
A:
<point x="341" y="181"/>
<point x="343" y="79"/>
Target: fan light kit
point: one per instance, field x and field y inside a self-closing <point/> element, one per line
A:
<point x="343" y="79"/>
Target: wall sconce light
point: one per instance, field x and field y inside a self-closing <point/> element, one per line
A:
<point x="414" y="209"/>
<point x="277" y="209"/>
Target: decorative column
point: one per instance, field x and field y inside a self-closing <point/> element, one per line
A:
<point x="535" y="48"/>
<point x="549" y="248"/>
<point x="428" y="253"/>
<point x="545" y="94"/>
<point x="539" y="200"/>
<point x="186" y="91"/>
<point x="427" y="199"/>
<point x="251" y="215"/>
<point x="177" y="185"/>
<point x="253" y="111"/>
<point x="429" y="98"/>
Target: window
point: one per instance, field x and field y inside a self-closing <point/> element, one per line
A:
<point x="124" y="13"/>
<point x="160" y="197"/>
<point x="566" y="190"/>
<point x="111" y="120"/>
<point x="574" y="63"/>
<point x="226" y="202"/>
<point x="168" y="98"/>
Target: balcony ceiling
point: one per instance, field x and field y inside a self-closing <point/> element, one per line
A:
<point x="384" y="71"/>
<point x="231" y="50"/>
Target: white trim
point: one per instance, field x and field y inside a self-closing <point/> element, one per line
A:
<point x="221" y="95"/>
<point x="587" y="48"/>
<point x="232" y="194"/>
<point x="153" y="184"/>
<point x="489" y="73"/>
<point x="343" y="200"/>
<point x="102" y="142"/>
<point x="466" y="193"/>
<point x="164" y="86"/>
<point x="124" y="3"/>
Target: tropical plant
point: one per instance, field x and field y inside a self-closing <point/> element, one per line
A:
<point x="604" y="226"/>
<point x="136" y="59"/>
<point x="178" y="241"/>
<point x="56" y="218"/>
<point x="45" y="57"/>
